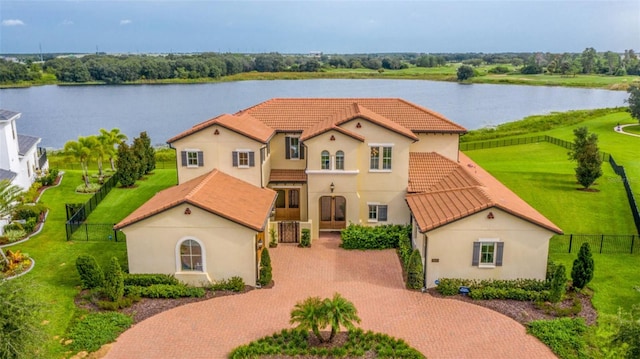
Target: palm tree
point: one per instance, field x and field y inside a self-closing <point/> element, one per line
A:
<point x="112" y="138"/>
<point x="9" y="195"/>
<point x="340" y="312"/>
<point x="310" y="315"/>
<point x="82" y="151"/>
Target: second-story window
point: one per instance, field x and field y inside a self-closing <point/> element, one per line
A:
<point x="192" y="158"/>
<point x="293" y="148"/>
<point x="376" y="154"/>
<point x="243" y="158"/>
<point x="339" y="160"/>
<point x="325" y="160"/>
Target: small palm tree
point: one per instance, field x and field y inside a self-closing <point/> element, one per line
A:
<point x="82" y="150"/>
<point x="9" y="195"/>
<point x="112" y="138"/>
<point x="310" y="314"/>
<point x="340" y="312"/>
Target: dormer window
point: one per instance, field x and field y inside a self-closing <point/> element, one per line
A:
<point x="293" y="148"/>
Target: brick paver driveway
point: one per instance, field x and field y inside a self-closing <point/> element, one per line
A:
<point x="439" y="328"/>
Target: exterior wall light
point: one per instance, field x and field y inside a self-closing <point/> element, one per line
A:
<point x="332" y="187"/>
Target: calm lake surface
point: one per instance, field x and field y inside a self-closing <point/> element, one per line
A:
<point x="60" y="113"/>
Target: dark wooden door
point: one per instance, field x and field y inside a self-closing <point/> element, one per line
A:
<point x="333" y="212"/>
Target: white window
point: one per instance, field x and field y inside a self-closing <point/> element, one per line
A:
<point x="377" y="212"/>
<point x="243" y="158"/>
<point x="325" y="160"/>
<point x="192" y="158"/>
<point x="190" y="256"/>
<point x="487" y="253"/>
<point x="380" y="157"/>
<point x="340" y="160"/>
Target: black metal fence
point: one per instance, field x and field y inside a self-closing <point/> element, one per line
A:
<point x="96" y="232"/>
<point x="619" y="170"/>
<point x="599" y="243"/>
<point x="77" y="213"/>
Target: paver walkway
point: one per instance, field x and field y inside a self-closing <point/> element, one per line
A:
<point x="372" y="280"/>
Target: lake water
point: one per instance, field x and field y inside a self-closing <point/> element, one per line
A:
<point x="60" y="113"/>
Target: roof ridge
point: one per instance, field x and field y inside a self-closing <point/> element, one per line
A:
<point x="201" y="184"/>
<point x="431" y="112"/>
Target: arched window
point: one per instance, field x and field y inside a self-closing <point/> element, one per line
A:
<point x="339" y="160"/>
<point x="325" y="159"/>
<point x="191" y="256"/>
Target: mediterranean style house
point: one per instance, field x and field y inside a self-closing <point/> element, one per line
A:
<point x="20" y="157"/>
<point x="290" y="164"/>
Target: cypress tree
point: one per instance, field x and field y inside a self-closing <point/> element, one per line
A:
<point x="127" y="166"/>
<point x="265" y="267"/>
<point x="149" y="153"/>
<point x="114" y="281"/>
<point x="140" y="156"/>
<point x="415" y="279"/>
<point x="582" y="271"/>
<point x="558" y="284"/>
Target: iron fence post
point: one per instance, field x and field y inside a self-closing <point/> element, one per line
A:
<point x="601" y="242"/>
<point x="570" y="241"/>
<point x="633" y="237"/>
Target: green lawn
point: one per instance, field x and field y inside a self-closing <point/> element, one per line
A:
<point x="54" y="279"/>
<point x="542" y="175"/>
<point x="633" y="129"/>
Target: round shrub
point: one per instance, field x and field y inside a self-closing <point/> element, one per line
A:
<point x="90" y="272"/>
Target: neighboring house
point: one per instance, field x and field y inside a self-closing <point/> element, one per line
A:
<point x="369" y="161"/>
<point x="20" y="157"/>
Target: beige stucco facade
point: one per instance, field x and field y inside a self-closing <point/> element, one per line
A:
<point x="229" y="249"/>
<point x="449" y="249"/>
<point x="445" y="144"/>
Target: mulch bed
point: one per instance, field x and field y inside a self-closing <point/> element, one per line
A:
<point x="525" y="312"/>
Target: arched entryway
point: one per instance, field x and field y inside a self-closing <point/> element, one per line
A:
<point x="333" y="212"/>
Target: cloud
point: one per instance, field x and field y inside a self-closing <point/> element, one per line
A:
<point x="12" y="22"/>
<point x="67" y="22"/>
<point x="125" y="22"/>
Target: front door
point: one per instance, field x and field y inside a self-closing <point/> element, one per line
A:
<point x="288" y="204"/>
<point x="333" y="211"/>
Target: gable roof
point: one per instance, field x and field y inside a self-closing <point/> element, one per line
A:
<point x="25" y="143"/>
<point x="243" y="124"/>
<point x="217" y="193"/>
<point x="314" y="116"/>
<point x="449" y="191"/>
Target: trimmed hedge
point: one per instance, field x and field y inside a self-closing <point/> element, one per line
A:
<point x="518" y="289"/>
<point x="164" y="291"/>
<point x="145" y="280"/>
<point x="378" y="237"/>
<point x="234" y="284"/>
<point x="404" y="250"/>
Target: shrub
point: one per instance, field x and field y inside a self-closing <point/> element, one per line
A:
<point x="415" y="277"/>
<point x="273" y="237"/>
<point x="518" y="289"/>
<point x="145" y="280"/>
<point x="234" y="284"/>
<point x="404" y="250"/>
<point x="96" y="329"/>
<point x="28" y="211"/>
<point x="168" y="291"/>
<point x="378" y="237"/>
<point x="114" y="281"/>
<point x="499" y="70"/>
<point x="564" y="336"/>
<point x="21" y="334"/>
<point x="48" y="178"/>
<point x="582" y="271"/>
<point x="305" y="241"/>
<point x="90" y="272"/>
<point x="125" y="302"/>
<point x="558" y="284"/>
<point x="91" y="188"/>
<point x="14" y="235"/>
<point x="265" y="267"/>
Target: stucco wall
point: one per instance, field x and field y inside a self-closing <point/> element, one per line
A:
<point x="217" y="153"/>
<point x="278" y="154"/>
<point x="445" y="144"/>
<point x="229" y="247"/>
<point x="525" y="248"/>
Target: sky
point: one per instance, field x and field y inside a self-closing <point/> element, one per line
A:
<point x="426" y="26"/>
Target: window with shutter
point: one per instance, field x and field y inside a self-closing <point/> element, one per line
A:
<point x="192" y="158"/>
<point x="487" y="253"/>
<point x="382" y="213"/>
<point x="243" y="158"/>
<point x="377" y="212"/>
<point x="293" y="149"/>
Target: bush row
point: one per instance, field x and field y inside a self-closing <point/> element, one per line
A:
<point x="145" y="280"/>
<point x="520" y="294"/>
<point x="164" y="291"/>
<point x="234" y="284"/>
<point x="378" y="237"/>
<point x="450" y="286"/>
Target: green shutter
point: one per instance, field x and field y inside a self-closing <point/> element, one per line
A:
<point x="475" y="260"/>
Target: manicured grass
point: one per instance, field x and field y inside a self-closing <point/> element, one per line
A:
<point x="633" y="129"/>
<point x="55" y="279"/>
<point x="542" y="175"/>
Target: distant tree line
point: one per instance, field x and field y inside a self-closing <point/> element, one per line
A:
<point x="115" y="69"/>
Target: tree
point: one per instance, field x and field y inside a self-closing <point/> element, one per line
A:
<point x="465" y="72"/>
<point x="90" y="272"/>
<point x="310" y="315"/>
<point x="582" y="271"/>
<point x="114" y="281"/>
<point x="82" y="150"/>
<point x="265" y="267"/>
<point x="21" y="334"/>
<point x="634" y="101"/>
<point x="587" y="154"/>
<point x="112" y="137"/>
<point x="588" y="60"/>
<point x="9" y="195"/>
<point x="149" y="153"/>
<point x="340" y="312"/>
<point x="127" y="166"/>
<point x="558" y="284"/>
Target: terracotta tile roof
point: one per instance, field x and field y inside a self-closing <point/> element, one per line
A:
<point x="430" y="171"/>
<point x="449" y="193"/>
<point x="215" y="192"/>
<point x="280" y="175"/>
<point x="326" y="125"/>
<point x="243" y="124"/>
<point x="297" y="114"/>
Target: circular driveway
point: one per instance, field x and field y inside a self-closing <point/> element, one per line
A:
<point x="372" y="280"/>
